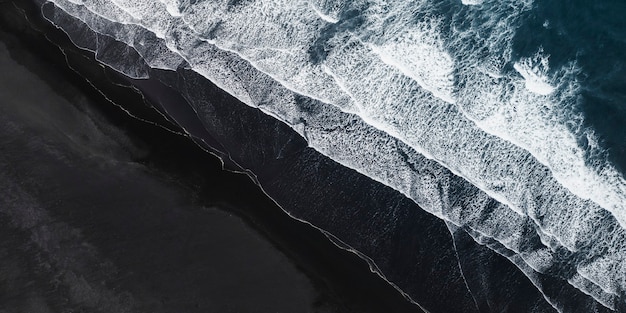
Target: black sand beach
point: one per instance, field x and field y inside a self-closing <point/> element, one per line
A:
<point x="130" y="216"/>
<point x="102" y="212"/>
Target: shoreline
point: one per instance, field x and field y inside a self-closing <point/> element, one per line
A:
<point x="335" y="273"/>
<point x="427" y="267"/>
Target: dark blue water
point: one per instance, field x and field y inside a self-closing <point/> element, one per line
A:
<point x="593" y="34"/>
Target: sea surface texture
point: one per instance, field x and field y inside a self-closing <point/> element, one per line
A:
<point x="505" y="119"/>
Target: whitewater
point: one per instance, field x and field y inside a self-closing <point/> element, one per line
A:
<point x="427" y="98"/>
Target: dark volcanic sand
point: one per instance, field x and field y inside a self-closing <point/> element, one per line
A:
<point x="99" y="231"/>
<point x="95" y="219"/>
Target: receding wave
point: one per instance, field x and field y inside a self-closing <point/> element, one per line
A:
<point x="491" y="143"/>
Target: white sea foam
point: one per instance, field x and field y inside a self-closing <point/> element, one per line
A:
<point x="267" y="37"/>
<point x="544" y="121"/>
<point x="362" y="73"/>
<point x="172" y="6"/>
<point x="581" y="283"/>
<point x="534" y="74"/>
<point x="472" y="2"/>
<point x="324" y="16"/>
<point x="421" y="57"/>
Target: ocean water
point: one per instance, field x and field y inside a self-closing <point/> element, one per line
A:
<point x="593" y="34"/>
<point x="504" y="119"/>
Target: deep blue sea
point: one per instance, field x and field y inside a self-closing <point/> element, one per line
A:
<point x="594" y="34"/>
